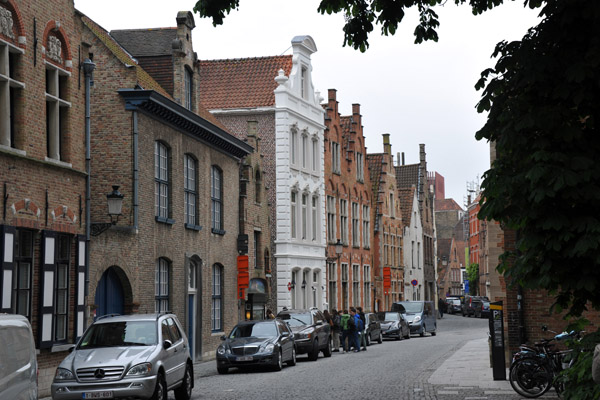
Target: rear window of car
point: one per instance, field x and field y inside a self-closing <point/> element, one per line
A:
<point x="259" y="330"/>
<point x="456" y="302"/>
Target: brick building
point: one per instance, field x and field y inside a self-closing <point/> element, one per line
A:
<point x="175" y="245"/>
<point x="474" y="243"/>
<point x="350" y="277"/>
<point x="386" y="214"/>
<point x="279" y="95"/>
<point x="43" y="174"/>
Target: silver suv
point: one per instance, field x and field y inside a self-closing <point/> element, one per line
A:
<point x="139" y="356"/>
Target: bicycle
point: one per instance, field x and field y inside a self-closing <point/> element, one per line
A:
<point x="534" y="368"/>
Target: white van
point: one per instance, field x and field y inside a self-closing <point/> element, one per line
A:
<point x="18" y="364"/>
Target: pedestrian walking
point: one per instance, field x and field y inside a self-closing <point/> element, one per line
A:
<point x="363" y="331"/>
<point x="335" y="331"/>
<point x="441" y="305"/>
<point x="357" y="328"/>
<point x="347" y="324"/>
<point x="270" y="314"/>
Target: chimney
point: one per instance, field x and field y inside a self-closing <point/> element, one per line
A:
<point x="398" y="158"/>
<point x="387" y="147"/>
<point x="331" y="94"/>
<point x="355" y="109"/>
<point x="402" y="158"/>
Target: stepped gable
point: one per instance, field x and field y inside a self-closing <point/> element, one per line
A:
<point x="241" y="82"/>
<point x="375" y="163"/>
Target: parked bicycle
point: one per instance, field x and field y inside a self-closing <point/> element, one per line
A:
<point x="534" y="368"/>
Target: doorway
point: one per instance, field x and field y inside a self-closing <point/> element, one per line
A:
<point x="109" y="294"/>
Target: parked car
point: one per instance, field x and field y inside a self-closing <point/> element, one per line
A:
<point x="312" y="334"/>
<point x="138" y="356"/>
<point x="419" y="314"/>
<point x="255" y="343"/>
<point x="394" y="325"/>
<point x="484" y="310"/>
<point x="18" y="363"/>
<point x="454" y="306"/>
<point x="373" y="328"/>
<point x="469" y="305"/>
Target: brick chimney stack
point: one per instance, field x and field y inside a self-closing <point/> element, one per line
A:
<point x="387" y="147"/>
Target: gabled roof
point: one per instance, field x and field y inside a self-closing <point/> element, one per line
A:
<point x="407" y="196"/>
<point x="460" y="251"/>
<point x="241" y="82"/>
<point x="443" y="247"/>
<point x="375" y="164"/>
<point x="143" y="79"/>
<point x="407" y="175"/>
<point x="346" y="123"/>
<point x="146" y="42"/>
<point x="446" y="205"/>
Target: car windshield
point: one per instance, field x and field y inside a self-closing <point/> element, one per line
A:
<point x="259" y="330"/>
<point x="115" y="334"/>
<point x="412" y="307"/>
<point x="296" y="319"/>
<point x="388" y="316"/>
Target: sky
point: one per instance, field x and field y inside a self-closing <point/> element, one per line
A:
<point x="418" y="93"/>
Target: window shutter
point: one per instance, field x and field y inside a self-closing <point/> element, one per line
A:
<point x="7" y="246"/>
<point x="80" y="288"/>
<point x="47" y="274"/>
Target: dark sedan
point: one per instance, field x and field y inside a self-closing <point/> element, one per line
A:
<point x="393" y="325"/>
<point x="373" y="329"/>
<point x="257" y="343"/>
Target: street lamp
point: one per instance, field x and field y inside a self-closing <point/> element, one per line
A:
<point x="339" y="248"/>
<point x="115" y="205"/>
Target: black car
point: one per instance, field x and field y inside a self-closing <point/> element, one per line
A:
<point x="373" y="328"/>
<point x="470" y="304"/>
<point x="252" y="343"/>
<point x="484" y="310"/>
<point x="454" y="306"/>
<point x="312" y="333"/>
<point x="393" y="325"/>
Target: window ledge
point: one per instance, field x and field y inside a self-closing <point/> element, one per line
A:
<point x="218" y="231"/>
<point x="193" y="227"/>
<point x="13" y="150"/>
<point x="164" y="220"/>
<point x="58" y="162"/>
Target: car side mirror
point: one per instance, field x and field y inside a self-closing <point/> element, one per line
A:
<point x="167" y="344"/>
<point x="223" y="337"/>
<point x="71" y="348"/>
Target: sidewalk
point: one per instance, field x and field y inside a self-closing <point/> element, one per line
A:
<point x="469" y="367"/>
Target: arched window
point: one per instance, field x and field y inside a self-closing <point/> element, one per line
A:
<point x="293" y="213"/>
<point x="217" y="298"/>
<point x="258" y="186"/>
<point x="188" y="88"/>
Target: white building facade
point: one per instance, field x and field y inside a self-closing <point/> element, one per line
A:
<point x="413" y="254"/>
<point x="300" y="230"/>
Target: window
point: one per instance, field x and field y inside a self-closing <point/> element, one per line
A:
<point x="419" y="255"/>
<point x="303" y="82"/>
<point x="366" y="227"/>
<point x="355" y="284"/>
<point x="316" y="155"/>
<point x="217" y="298"/>
<point x="391" y="204"/>
<point x="9" y="85"/>
<point x="257" y="246"/>
<point x="386" y="260"/>
<point x="367" y="285"/>
<point x="293" y="144"/>
<point x="22" y="281"/>
<point x="332" y="293"/>
<point x="190" y="190"/>
<point x="314" y="221"/>
<point x="344" y="221"/>
<point x="345" y="300"/>
<point x="258" y="187"/>
<point x="161" y="180"/>
<point x="61" y="288"/>
<point x="193" y="276"/>
<point x="331" y="219"/>
<point x="355" y="226"/>
<point x="360" y="167"/>
<point x="304" y="150"/>
<point x="161" y="288"/>
<point x="188" y="85"/>
<point x="216" y="194"/>
<point x="293" y="214"/>
<point x="335" y="158"/>
<point x="56" y="111"/>
<point x="412" y="254"/>
<point x="304" y="214"/>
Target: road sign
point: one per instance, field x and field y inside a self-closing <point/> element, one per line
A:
<point x="414" y="282"/>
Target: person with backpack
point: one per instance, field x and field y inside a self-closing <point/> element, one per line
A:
<point x="335" y="330"/>
<point x="363" y="330"/>
<point x="357" y="328"/>
<point x="347" y="324"/>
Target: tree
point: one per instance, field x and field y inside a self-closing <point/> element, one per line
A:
<point x="542" y="99"/>
<point x="473" y="276"/>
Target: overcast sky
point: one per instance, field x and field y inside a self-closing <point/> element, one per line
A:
<point x="418" y="93"/>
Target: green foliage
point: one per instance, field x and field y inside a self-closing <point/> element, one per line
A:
<point x="578" y="379"/>
<point x="473" y="275"/>
<point x="215" y="9"/>
<point x="542" y="97"/>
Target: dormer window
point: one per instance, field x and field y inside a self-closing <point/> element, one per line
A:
<point x="303" y="82"/>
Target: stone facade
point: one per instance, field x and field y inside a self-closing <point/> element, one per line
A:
<point x="350" y="277"/>
<point x="413" y="248"/>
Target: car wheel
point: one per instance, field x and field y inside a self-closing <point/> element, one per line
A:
<point x="222" y="370"/>
<point x="160" y="391"/>
<point x="407" y="334"/>
<point x="423" y="329"/>
<point x="292" y="362"/>
<point x="327" y="349"/>
<point x="380" y="338"/>
<point x="314" y="353"/>
<point x="184" y="392"/>
<point x="278" y="361"/>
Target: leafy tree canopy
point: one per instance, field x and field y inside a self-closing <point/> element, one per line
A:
<point x="543" y="100"/>
<point x="473" y="275"/>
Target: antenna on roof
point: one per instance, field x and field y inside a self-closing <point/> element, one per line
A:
<point x="285" y="50"/>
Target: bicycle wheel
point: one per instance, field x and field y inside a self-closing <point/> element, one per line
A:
<point x="530" y="377"/>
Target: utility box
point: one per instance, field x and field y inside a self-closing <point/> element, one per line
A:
<point x="497" y="341"/>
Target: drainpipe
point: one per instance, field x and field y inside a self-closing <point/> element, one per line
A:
<point x="88" y="68"/>
<point x="136" y="172"/>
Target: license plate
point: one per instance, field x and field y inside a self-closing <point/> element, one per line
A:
<point x="244" y="358"/>
<point x="98" y="395"/>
